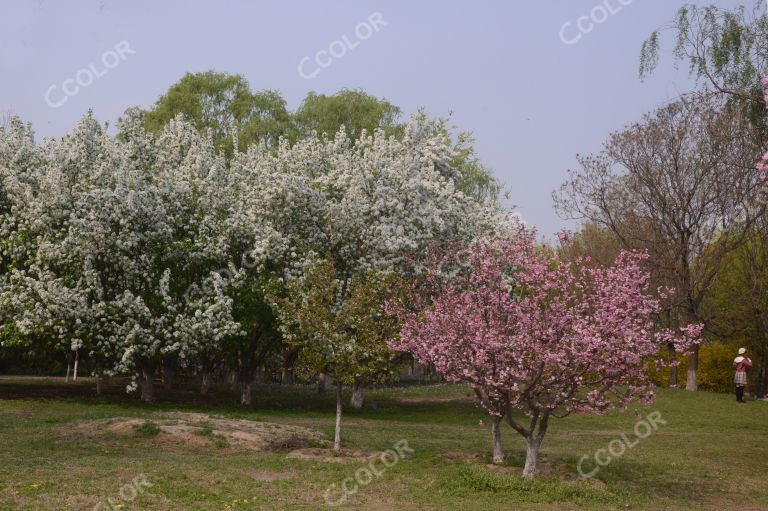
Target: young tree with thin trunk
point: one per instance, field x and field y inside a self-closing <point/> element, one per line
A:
<point x="340" y="327"/>
<point x="533" y="333"/>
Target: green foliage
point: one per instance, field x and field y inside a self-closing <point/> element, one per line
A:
<point x="649" y="54"/>
<point x="353" y="109"/>
<point x="225" y="105"/>
<point x="10" y="335"/>
<point x="725" y="50"/>
<point x="597" y="243"/>
<point x="737" y="303"/>
<point x="715" y="366"/>
<point x="715" y="373"/>
<point x="254" y="311"/>
<point x="339" y="324"/>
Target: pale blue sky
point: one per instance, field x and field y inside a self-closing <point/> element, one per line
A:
<point x="532" y="101"/>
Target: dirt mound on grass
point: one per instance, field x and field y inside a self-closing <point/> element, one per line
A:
<point x="329" y="456"/>
<point x="202" y="430"/>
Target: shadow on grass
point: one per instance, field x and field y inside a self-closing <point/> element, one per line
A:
<point x="650" y="479"/>
<point x="290" y="400"/>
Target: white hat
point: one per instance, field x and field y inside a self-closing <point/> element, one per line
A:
<point x="742" y="351"/>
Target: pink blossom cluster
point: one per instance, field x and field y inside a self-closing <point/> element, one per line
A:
<point x="530" y="331"/>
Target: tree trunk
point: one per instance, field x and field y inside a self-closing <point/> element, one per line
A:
<point x="533" y="440"/>
<point x="77" y="360"/>
<point x="322" y="383"/>
<point x="246" y="393"/>
<point x="289" y="361"/>
<point x="498" y="452"/>
<point x="672" y="366"/>
<point x="147" y="383"/>
<point x="693" y="367"/>
<point x="531" y="456"/>
<point x="169" y="370"/>
<point x="205" y="385"/>
<point x="102" y="382"/>
<point x="356" y="401"/>
<point x="69" y="366"/>
<point x="246" y="368"/>
<point x="337" y="435"/>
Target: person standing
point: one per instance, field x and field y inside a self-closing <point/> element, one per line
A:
<point x="741" y="364"/>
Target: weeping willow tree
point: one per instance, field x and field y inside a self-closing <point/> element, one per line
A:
<point x="726" y="50"/>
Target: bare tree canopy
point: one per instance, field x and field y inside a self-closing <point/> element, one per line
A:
<point x="672" y="184"/>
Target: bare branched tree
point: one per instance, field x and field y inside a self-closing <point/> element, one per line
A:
<point x="672" y="184"/>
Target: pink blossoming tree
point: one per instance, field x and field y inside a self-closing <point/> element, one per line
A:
<point x="535" y="334"/>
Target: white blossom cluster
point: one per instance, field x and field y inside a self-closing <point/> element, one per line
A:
<point x="135" y="247"/>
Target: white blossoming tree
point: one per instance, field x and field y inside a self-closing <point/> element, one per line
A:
<point x="150" y="250"/>
<point x="20" y="160"/>
<point x="121" y="231"/>
<point x="370" y="206"/>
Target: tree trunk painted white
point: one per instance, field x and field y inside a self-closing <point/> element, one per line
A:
<point x="693" y="366"/>
<point x="498" y="452"/>
<point x="246" y="393"/>
<point x="690" y="383"/>
<point x="77" y="359"/>
<point x="356" y="401"/>
<point x="69" y="366"/>
<point x="531" y="456"/>
<point x="206" y="383"/>
<point x="337" y="436"/>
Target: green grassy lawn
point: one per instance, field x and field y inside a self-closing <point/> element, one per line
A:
<point x="711" y="454"/>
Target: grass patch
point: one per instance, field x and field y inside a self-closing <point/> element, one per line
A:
<point x="218" y="441"/>
<point x="148" y="429"/>
<point x="689" y="463"/>
<point x="475" y="479"/>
